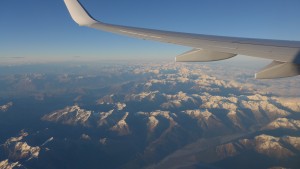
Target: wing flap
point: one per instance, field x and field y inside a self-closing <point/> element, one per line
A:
<point x="200" y="55"/>
<point x="278" y="70"/>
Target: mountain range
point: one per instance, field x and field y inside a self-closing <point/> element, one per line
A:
<point x="153" y="116"/>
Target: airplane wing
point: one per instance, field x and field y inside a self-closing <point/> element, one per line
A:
<point x="285" y="54"/>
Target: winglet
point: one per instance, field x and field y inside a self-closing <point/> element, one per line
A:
<point x="78" y="13"/>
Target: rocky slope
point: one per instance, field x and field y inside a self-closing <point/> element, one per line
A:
<point x="15" y="150"/>
<point x="283" y="123"/>
<point x="7" y="165"/>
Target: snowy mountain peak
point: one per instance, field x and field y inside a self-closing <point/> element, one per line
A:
<point x="20" y="150"/>
<point x="270" y="146"/>
<point x="5" y="107"/>
<point x="122" y="127"/>
<point x="70" y="115"/>
<point x="103" y="117"/>
<point x="152" y="123"/>
<point x="283" y="123"/>
<point x="120" y="106"/>
<point x="199" y="114"/>
<point x="293" y="141"/>
<point x="5" y="164"/>
<point x="19" y="138"/>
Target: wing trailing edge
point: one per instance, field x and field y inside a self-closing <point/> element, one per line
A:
<point x="278" y="70"/>
<point x="200" y="55"/>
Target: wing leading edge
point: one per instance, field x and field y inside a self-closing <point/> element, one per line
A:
<point x="286" y="54"/>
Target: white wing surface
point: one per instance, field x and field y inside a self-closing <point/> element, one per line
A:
<point x="285" y="54"/>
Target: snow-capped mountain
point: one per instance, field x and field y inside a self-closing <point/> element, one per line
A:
<point x="5" y="107"/>
<point x="283" y="123"/>
<point x="16" y="149"/>
<point x="70" y="115"/>
<point x="160" y="116"/>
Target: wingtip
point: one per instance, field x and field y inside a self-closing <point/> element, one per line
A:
<point x="78" y="13"/>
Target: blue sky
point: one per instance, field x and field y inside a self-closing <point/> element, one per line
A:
<point x="43" y="28"/>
